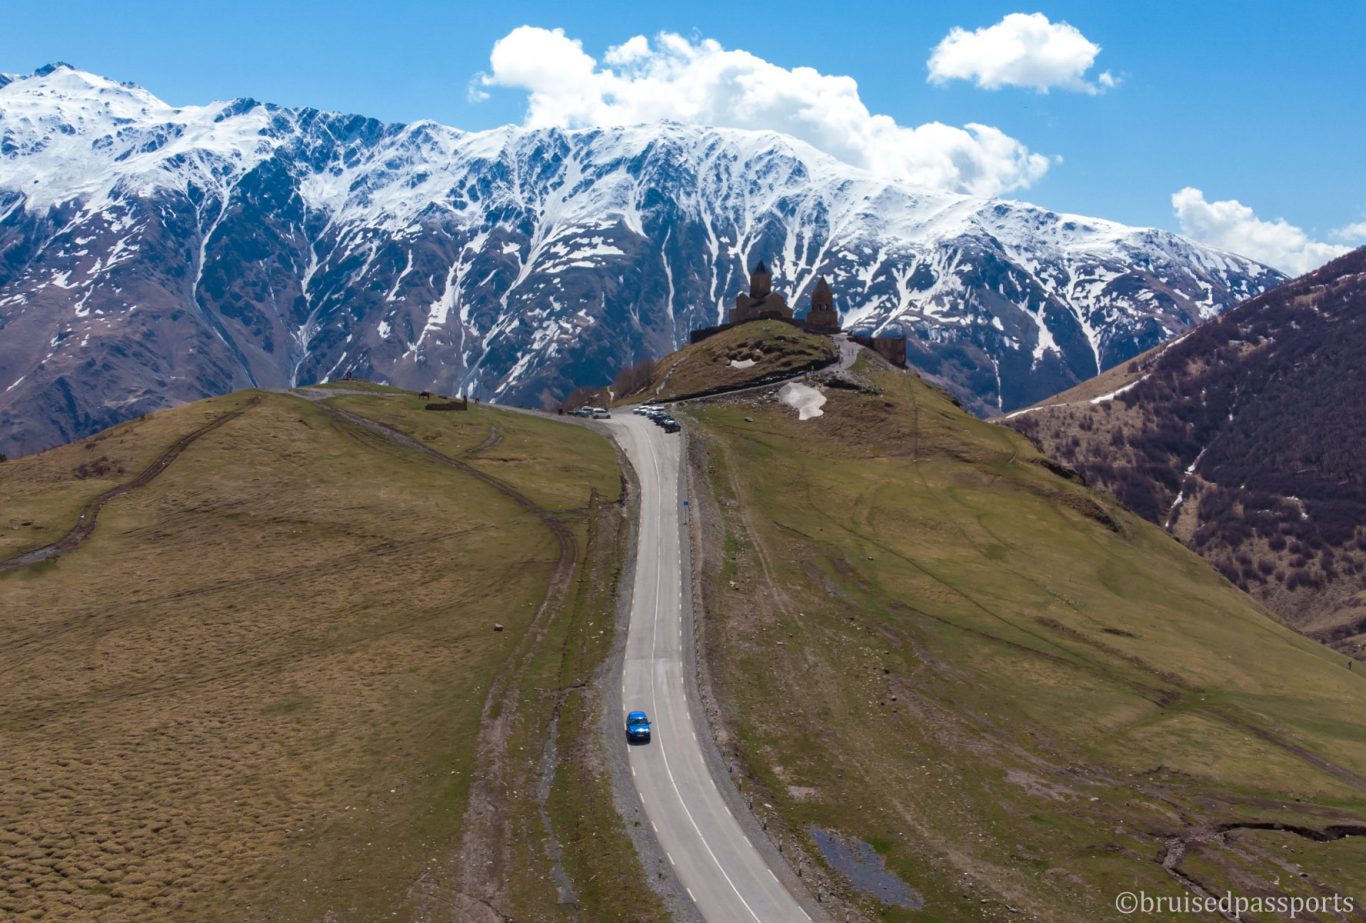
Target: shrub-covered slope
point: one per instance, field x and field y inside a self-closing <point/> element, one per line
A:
<point x="1247" y="439"/>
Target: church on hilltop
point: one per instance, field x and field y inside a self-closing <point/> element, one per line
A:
<point x="822" y="318"/>
<point x="762" y="303"/>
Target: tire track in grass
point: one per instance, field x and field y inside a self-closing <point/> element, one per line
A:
<point x="85" y="522"/>
<point x="481" y="865"/>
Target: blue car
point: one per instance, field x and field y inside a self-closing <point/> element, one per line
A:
<point x="638" y="728"/>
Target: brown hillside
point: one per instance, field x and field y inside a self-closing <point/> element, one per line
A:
<point x="745" y="354"/>
<point x="1244" y="439"/>
<point x="258" y="687"/>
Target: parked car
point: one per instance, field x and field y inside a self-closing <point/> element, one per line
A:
<point x="672" y="426"/>
<point x="638" y="727"/>
<point x="601" y="414"/>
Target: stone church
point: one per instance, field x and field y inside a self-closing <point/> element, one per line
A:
<point x="761" y="301"/>
<point x="822" y="318"/>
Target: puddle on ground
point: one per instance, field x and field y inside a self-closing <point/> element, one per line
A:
<point x="865" y="869"/>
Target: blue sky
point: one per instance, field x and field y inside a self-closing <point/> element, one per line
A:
<point x="1257" y="102"/>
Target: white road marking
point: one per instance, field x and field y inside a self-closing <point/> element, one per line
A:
<point x="663" y="751"/>
<point x="660" y="661"/>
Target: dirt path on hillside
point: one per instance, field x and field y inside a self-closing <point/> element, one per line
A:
<point x="472" y="884"/>
<point x="85" y="522"/>
<point x="494" y="437"/>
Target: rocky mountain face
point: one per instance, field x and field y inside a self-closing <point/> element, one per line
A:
<point x="1245" y="439"/>
<point x="152" y="254"/>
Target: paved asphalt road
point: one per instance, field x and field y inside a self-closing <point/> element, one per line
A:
<point x="723" y="872"/>
<point x="848" y="351"/>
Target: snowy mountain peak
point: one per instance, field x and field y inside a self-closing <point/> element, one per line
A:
<point x="67" y="134"/>
<point x="47" y="69"/>
<point x="61" y="82"/>
<point x="170" y="252"/>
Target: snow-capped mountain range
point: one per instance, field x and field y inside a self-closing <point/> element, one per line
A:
<point x="152" y="254"/>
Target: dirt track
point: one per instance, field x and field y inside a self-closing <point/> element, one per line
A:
<point x="479" y="869"/>
<point x="85" y="522"/>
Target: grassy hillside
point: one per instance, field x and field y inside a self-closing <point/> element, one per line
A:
<point x="268" y="684"/>
<point x="1243" y="438"/>
<point x="44" y="494"/>
<point x="1025" y="698"/>
<point x="736" y="357"/>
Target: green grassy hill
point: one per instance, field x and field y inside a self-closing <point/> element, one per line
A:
<point x="268" y="684"/>
<point x="1025" y="698"/>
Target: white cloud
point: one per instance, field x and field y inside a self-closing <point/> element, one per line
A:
<point x="629" y="51"/>
<point x="700" y="82"/>
<point x="1352" y="232"/>
<point x="1022" y="50"/>
<point x="1231" y="225"/>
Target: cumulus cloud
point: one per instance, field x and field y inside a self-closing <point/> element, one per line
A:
<point x="1022" y="50"/>
<point x="1352" y="233"/>
<point x="1231" y="225"/>
<point x="698" y="81"/>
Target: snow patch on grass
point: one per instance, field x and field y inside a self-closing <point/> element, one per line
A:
<point x="805" y="399"/>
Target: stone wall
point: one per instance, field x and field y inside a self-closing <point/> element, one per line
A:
<point x="893" y="349"/>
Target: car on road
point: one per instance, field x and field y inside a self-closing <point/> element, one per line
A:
<point x="638" y="727"/>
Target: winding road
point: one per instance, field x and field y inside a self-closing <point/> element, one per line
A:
<point x="726" y="876"/>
